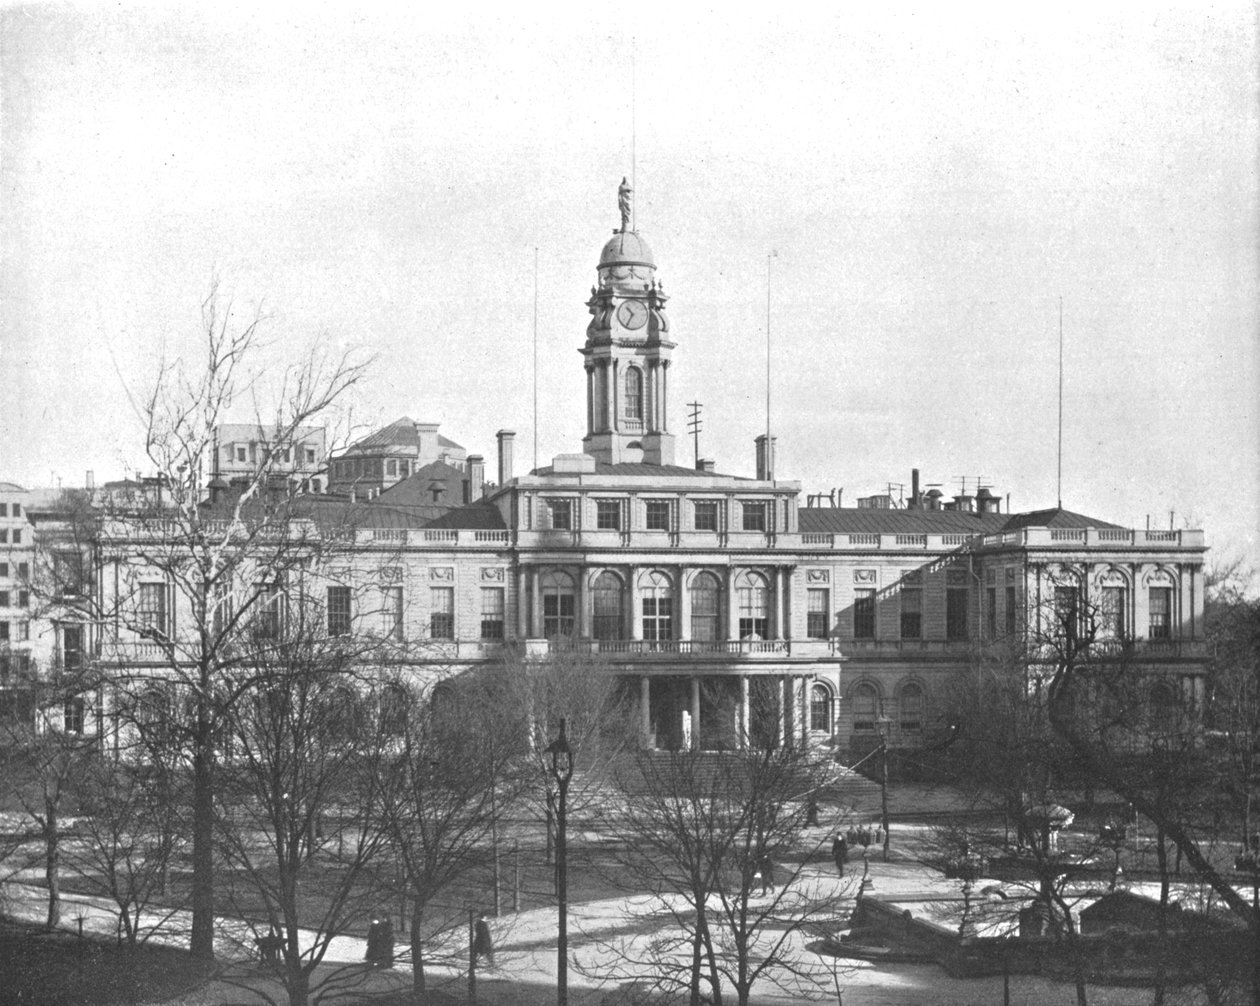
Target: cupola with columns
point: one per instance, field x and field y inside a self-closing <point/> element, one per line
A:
<point x="627" y="353"/>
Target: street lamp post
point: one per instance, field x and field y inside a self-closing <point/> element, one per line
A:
<point x="562" y="772"/>
<point x="881" y="726"/>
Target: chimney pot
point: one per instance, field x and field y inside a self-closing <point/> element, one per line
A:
<point x="476" y="477"/>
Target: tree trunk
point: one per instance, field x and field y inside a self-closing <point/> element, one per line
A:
<point x="297" y="983"/>
<point x="52" y="863"/>
<point x="1160" y="964"/>
<point x="417" y="955"/>
<point x="201" y="943"/>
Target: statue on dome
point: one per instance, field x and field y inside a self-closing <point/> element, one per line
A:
<point x="624" y="192"/>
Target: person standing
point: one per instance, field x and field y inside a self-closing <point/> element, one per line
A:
<point x="483" y="946"/>
<point x="840" y="853"/>
<point x="765" y="870"/>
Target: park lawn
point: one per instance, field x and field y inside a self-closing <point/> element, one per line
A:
<point x="55" y="968"/>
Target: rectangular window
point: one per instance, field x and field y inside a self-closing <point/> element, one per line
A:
<point x="392" y="612"/>
<point x="4" y="535"/>
<point x="338" y="611"/>
<point x="561" y="514"/>
<point x="391" y="467"/>
<point x="4" y="569"/>
<point x="17" y="537"/>
<point x="911" y="613"/>
<point x="4" y="510"/>
<point x="1067" y="612"/>
<point x="754" y="516"/>
<point x="4" y="598"/>
<point x="4" y="632"/>
<point x="492" y="612"/>
<point x="1111" y="613"/>
<point x="310" y="455"/>
<point x="705" y="618"/>
<point x="608" y="515"/>
<point x="754" y="613"/>
<point x="990" y="612"/>
<point x="17" y="510"/>
<point x="71" y="647"/>
<point x="74" y="715"/>
<point x="1012" y="611"/>
<point x="268" y="620"/>
<point x="442" y="612"/>
<point x="658" y="515"/>
<point x="1161" y="612"/>
<point x="24" y="631"/>
<point x="241" y="454"/>
<point x="864" y="613"/>
<point x="818" y="613"/>
<point x="24" y="599"/>
<point x="151" y="610"/>
<point x="956" y="601"/>
<point x="557" y="615"/>
<point x="658" y="618"/>
<point x="706" y="515"/>
<point x="24" y="570"/>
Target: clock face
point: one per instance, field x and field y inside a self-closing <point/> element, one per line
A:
<point x="632" y="314"/>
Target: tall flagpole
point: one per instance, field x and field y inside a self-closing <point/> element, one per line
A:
<point x="535" y="356"/>
<point x="1060" y="402"/>
<point x="769" y="451"/>
<point x="634" y="164"/>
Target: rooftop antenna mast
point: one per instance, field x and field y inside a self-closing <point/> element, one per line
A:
<point x="1060" y="493"/>
<point x="535" y="356"/>
<point x="773" y="254"/>
<point x="694" y="425"/>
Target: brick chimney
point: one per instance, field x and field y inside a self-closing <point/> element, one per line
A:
<point x="476" y="476"/>
<point x="506" y="440"/>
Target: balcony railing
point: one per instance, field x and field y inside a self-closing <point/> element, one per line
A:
<point x="1091" y="537"/>
<point x="675" y="648"/>
<point x="431" y="537"/>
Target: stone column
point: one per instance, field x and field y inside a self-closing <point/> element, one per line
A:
<point x="682" y="604"/>
<point x="645" y="709"/>
<point x="784" y="712"/>
<point x="583" y="602"/>
<point x="732" y="605"/>
<point x="615" y="396"/>
<point x="695" y="713"/>
<point x="664" y="420"/>
<point x="590" y="399"/>
<point x="522" y="603"/>
<point x="536" y="604"/>
<point x="778" y="602"/>
<point x="649" y="396"/>
<point x="634" y="627"/>
<point x="743" y="726"/>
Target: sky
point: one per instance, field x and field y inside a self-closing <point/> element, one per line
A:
<point x="935" y="184"/>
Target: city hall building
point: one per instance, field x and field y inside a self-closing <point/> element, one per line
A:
<point x="732" y="609"/>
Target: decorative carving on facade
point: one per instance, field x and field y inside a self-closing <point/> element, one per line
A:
<point x="391" y="574"/>
<point x="957" y="576"/>
<point x="1159" y="577"/>
<point x="818" y="576"/>
<point x="869" y="576"/>
<point x="1010" y="574"/>
<point x="1112" y="577"/>
<point x="445" y="574"/>
<point x="493" y="574"/>
<point x="990" y="576"/>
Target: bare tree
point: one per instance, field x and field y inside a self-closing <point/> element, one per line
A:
<point x="704" y="832"/>
<point x="301" y="800"/>
<point x="455" y="767"/>
<point x="43" y="757"/>
<point x="191" y="563"/>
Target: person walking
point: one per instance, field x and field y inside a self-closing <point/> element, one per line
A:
<point x="483" y="946"/>
<point x="840" y="853"/>
<point x="765" y="871"/>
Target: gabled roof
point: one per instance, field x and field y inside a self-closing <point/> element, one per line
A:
<point x="1054" y="517"/>
<point x="860" y="520"/>
<point x="641" y="470"/>
<point x="399" y="433"/>
<point x="11" y="487"/>
<point x="417" y="488"/>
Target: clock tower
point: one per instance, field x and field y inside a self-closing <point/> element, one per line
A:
<point x="627" y="353"/>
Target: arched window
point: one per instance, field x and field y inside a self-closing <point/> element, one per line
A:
<point x="345" y="715"/>
<point x="706" y="606"/>
<point x="658" y="607"/>
<point x="557" y="598"/>
<point x="865" y="701"/>
<point x="634" y="393"/>
<point x="395" y="703"/>
<point x="820" y="708"/>
<point x="911" y="708"/>
<point x="754" y="607"/>
<point x="606" y="596"/>
<point x="1163" y="706"/>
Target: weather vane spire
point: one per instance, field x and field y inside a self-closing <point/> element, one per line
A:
<point x="624" y="192"/>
